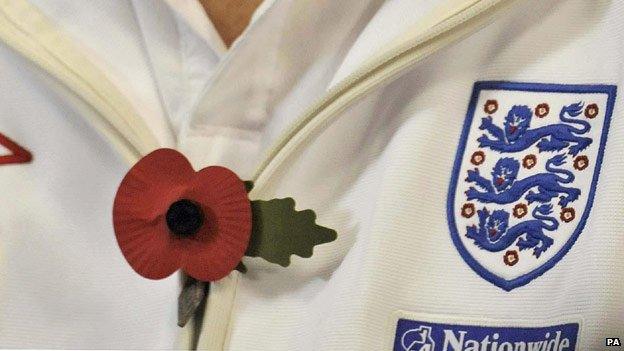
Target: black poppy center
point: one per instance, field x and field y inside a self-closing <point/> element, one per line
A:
<point x="184" y="217"/>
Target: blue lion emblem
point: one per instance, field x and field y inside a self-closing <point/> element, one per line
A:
<point x="516" y="135"/>
<point x="494" y="235"/>
<point x="505" y="188"/>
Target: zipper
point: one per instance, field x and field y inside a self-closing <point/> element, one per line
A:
<point x="29" y="33"/>
<point x="447" y="29"/>
<point x="466" y="20"/>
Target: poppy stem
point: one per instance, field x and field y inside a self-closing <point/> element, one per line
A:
<point x="241" y="267"/>
<point x="192" y="295"/>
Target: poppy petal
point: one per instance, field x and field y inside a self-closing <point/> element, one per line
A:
<point x="149" y="252"/>
<point x="222" y="243"/>
<point x="138" y="212"/>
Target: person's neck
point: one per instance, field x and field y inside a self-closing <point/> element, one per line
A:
<point x="230" y="17"/>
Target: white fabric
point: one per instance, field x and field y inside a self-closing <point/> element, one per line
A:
<point x="63" y="282"/>
<point x="378" y="174"/>
<point x="93" y="25"/>
<point x="180" y="60"/>
<point x="392" y="21"/>
<point x="270" y="77"/>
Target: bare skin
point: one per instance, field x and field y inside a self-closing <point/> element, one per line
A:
<point x="230" y="17"/>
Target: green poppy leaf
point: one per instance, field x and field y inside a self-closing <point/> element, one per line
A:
<point x="279" y="231"/>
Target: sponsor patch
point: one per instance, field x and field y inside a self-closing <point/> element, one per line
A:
<point x="421" y="332"/>
<point x="525" y="175"/>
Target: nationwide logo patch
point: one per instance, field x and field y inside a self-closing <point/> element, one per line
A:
<point x="525" y="175"/>
<point x="460" y="335"/>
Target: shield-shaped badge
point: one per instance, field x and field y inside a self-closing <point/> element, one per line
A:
<point x="525" y="174"/>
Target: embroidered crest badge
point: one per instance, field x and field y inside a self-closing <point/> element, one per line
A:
<point x="525" y="174"/>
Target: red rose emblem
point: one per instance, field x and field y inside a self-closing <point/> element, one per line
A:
<point x="511" y="257"/>
<point x="520" y="210"/>
<point x="591" y="111"/>
<point x="581" y="162"/>
<point x="468" y="210"/>
<point x="167" y="217"/>
<point x="529" y="161"/>
<point x="490" y="106"/>
<point x="477" y="158"/>
<point x="567" y="214"/>
<point x="542" y="110"/>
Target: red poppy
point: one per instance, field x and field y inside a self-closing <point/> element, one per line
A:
<point x="168" y="217"/>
